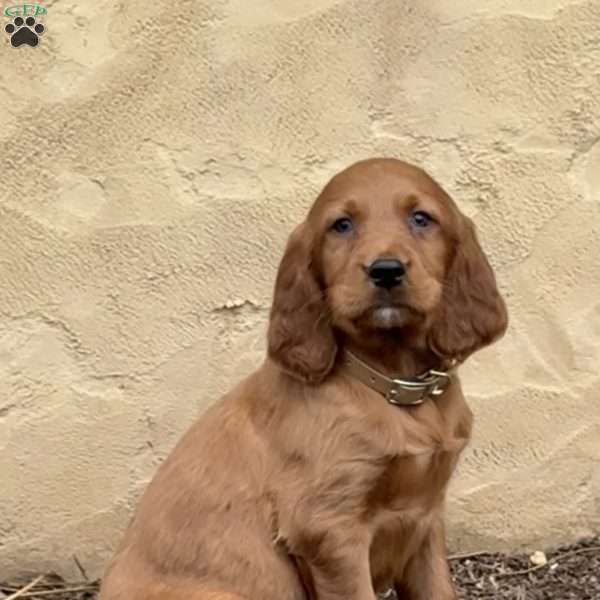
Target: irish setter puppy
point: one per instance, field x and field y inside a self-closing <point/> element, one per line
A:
<point x="322" y="475"/>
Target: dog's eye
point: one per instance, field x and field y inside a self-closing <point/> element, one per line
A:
<point x="343" y="225"/>
<point x="420" y="219"/>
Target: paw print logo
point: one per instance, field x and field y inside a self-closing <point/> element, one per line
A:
<point x="24" y="31"/>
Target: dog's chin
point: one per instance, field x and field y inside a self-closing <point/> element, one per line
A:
<point x="386" y="317"/>
<point x="376" y="316"/>
<point x="390" y="317"/>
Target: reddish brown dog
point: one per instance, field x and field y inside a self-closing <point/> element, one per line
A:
<point x="323" y="474"/>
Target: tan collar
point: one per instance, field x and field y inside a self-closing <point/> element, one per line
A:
<point x="400" y="392"/>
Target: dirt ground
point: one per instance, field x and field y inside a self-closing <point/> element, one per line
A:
<point x="571" y="573"/>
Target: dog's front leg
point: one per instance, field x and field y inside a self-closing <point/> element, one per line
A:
<point x="427" y="575"/>
<point x="335" y="566"/>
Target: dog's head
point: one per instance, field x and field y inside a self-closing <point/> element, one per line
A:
<point x="384" y="250"/>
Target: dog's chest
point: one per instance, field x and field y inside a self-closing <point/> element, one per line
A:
<point x="416" y="478"/>
<point x="422" y="451"/>
<point x="405" y="500"/>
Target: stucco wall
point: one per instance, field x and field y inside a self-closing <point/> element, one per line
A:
<point x="155" y="156"/>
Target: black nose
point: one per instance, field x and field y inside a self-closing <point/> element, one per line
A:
<point x="386" y="272"/>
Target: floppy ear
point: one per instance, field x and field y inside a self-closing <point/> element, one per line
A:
<point x="471" y="313"/>
<point x="300" y="338"/>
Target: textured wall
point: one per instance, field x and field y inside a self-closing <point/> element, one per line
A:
<point x="154" y="157"/>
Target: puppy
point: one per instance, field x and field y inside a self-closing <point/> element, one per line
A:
<point x="323" y="474"/>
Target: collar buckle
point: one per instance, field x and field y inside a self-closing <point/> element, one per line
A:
<point x="441" y="380"/>
<point x="412" y="393"/>
<point x="394" y="396"/>
<point x="400" y="392"/>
